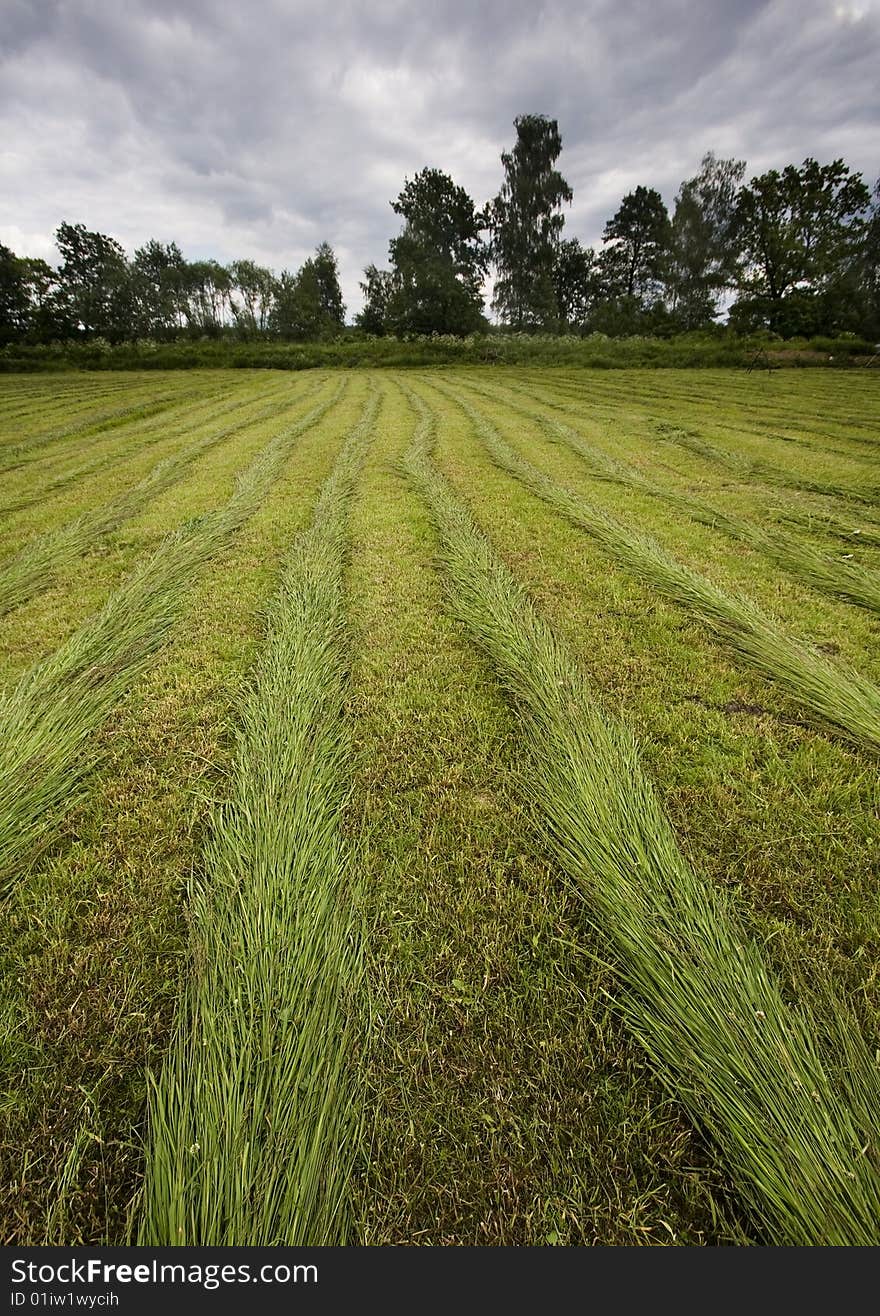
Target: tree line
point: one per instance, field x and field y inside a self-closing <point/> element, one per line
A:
<point x="96" y="291"/>
<point x="795" y="251"/>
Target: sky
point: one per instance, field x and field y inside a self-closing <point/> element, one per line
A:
<point x="259" y="128"/>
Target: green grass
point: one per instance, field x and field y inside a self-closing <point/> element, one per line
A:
<point x="504" y="1103"/>
<point x="506" y="1095"/>
<point x="837" y="576"/>
<point x="38" y="483"/>
<point x="34" y="567"/>
<point x="48" y="720"/>
<point x="828" y="694"/>
<point x="254" y="1116"/>
<point x="799" y="1142"/>
<point x="766" y="471"/>
<point x="92" y="942"/>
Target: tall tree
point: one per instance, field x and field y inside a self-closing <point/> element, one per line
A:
<point x="526" y="220"/>
<point x="45" y="312"/>
<point x="208" y="287"/>
<point x="704" y="241"/>
<point x="801" y="233"/>
<point x="377" y="286"/>
<point x="158" y="273"/>
<point x="308" y="305"/>
<point x="438" y="261"/>
<point x="252" y="296"/>
<point x="869" y="271"/>
<point x="14" y="303"/>
<point x="93" y="282"/>
<point x="575" y="283"/>
<point x="638" y="243"/>
<point x="326" y="270"/>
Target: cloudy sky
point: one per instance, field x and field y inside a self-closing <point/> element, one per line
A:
<point x="261" y="127"/>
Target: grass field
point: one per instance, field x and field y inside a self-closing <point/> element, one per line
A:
<point x="440" y="806"/>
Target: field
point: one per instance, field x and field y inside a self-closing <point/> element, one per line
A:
<point x="440" y="806"/>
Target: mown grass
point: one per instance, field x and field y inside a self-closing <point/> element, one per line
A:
<point x="820" y="620"/>
<point x="799" y="460"/>
<point x="34" y="567"/>
<point x="829" y="695"/>
<point x="48" y="720"/>
<point x="254" y="1116"/>
<point x="767" y="472"/>
<point x="822" y="413"/>
<point x="838" y="577"/>
<point x="505" y="1102"/>
<point x="798" y="1140"/>
<point x="26" y="448"/>
<point x="93" y="942"/>
<point x="58" y="471"/>
<point x="783" y="815"/>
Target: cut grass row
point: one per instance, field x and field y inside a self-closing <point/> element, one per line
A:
<point x="839" y="578"/>
<point x="799" y="1142"/>
<point x="90" y="426"/>
<point x="610" y="413"/>
<point x="467" y="1151"/>
<point x="24" y="413"/>
<point x="830" y="696"/>
<point x="785" y="408"/>
<point x="34" y="568"/>
<point x="645" y="414"/>
<point x="45" y="484"/>
<point x="253" y="1119"/>
<point x="48" y="720"/>
<point x="747" y="468"/>
<point x="93" y="943"/>
<point x="505" y="1104"/>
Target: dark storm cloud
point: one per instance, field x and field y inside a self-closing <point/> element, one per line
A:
<point x="261" y="129"/>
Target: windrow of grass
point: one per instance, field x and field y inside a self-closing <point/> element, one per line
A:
<point x="747" y="468"/>
<point x="120" y="445"/>
<point x="839" y="578"/>
<point x="637" y="409"/>
<point x="642" y="405"/>
<point x="504" y="1102"/>
<point x="93" y="942"/>
<point x="94" y="423"/>
<point x="828" y="696"/>
<point x="799" y="1141"/>
<point x="253" y="1119"/>
<point x="25" y="413"/>
<point x="33" y="569"/>
<point x="788" y="408"/>
<point x="49" y="719"/>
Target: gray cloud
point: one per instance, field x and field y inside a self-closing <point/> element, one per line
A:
<point x="260" y="130"/>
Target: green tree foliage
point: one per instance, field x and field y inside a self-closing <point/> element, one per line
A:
<point x="377" y="286"/>
<point x="802" y="233"/>
<point x="704" y="241"/>
<point x="308" y="305"/>
<point x="208" y="292"/>
<point x="329" y="291"/>
<point x="45" y="319"/>
<point x="799" y="247"/>
<point x="13" y="297"/>
<point x="870" y="269"/>
<point x="438" y="261"/>
<point x="526" y="221"/>
<point x="252" y="296"/>
<point x="94" y="284"/>
<point x="575" y="284"/>
<point x="637" y="238"/>
<point x="158" y="288"/>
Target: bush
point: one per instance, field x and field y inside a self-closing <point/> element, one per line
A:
<point x="715" y="346"/>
